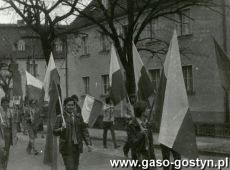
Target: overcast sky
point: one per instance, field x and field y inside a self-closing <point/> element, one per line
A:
<point x="9" y="16"/>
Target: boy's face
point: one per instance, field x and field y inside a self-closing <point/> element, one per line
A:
<point x="70" y="106"/>
<point x="5" y="104"/>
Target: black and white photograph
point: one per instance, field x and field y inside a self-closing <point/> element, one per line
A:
<point x="114" y="84"/>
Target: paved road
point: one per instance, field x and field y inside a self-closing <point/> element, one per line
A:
<point x="98" y="159"/>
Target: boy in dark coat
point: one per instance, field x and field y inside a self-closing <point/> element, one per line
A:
<point x="72" y="132"/>
<point x="140" y="135"/>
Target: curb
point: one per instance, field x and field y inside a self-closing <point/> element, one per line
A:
<point x="157" y="146"/>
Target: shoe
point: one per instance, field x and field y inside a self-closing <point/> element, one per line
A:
<point x="105" y="147"/>
<point x="36" y="152"/>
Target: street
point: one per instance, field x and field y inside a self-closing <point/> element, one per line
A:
<point x="98" y="159"/>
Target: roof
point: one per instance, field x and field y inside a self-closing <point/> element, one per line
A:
<point x="12" y="34"/>
<point x="93" y="10"/>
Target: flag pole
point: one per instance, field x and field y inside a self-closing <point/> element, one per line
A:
<point x="61" y="108"/>
<point x="62" y="114"/>
<point x="131" y="106"/>
<point x="151" y="111"/>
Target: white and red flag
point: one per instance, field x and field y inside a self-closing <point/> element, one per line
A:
<point x="33" y="87"/>
<point x="176" y="129"/>
<point x="116" y="78"/>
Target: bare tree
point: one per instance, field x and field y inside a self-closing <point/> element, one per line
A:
<point x="139" y="14"/>
<point x="43" y="17"/>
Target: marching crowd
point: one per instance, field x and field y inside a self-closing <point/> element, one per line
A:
<point x="73" y="131"/>
<point x="24" y="117"/>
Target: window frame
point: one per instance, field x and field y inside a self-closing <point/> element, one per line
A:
<point x="158" y="77"/>
<point x="21" y="46"/>
<point x="59" y="46"/>
<point x="183" y="19"/>
<point x="85" y="48"/>
<point x="31" y="69"/>
<point x="103" y="42"/>
<point x="105" y="84"/>
<point x="86" y="84"/>
<point x="189" y="78"/>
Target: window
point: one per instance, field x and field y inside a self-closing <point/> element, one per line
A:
<point x="155" y="77"/>
<point x="183" y="24"/>
<point x="84" y="45"/>
<point x="21" y="45"/>
<point x="103" y="42"/>
<point x="85" y="81"/>
<point x="152" y="28"/>
<point x="59" y="46"/>
<point x="188" y="78"/>
<point x="105" y="3"/>
<point x="105" y="84"/>
<point x="32" y="68"/>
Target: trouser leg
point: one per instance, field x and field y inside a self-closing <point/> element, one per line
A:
<point x="165" y="154"/>
<point x="76" y="157"/>
<point x="105" y="137"/>
<point x="29" y="147"/>
<point x="176" y="156"/>
<point x="113" y="136"/>
<point x="2" y="158"/>
<point x="68" y="162"/>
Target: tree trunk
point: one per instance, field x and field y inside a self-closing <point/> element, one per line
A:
<point x="130" y="84"/>
<point x="47" y="48"/>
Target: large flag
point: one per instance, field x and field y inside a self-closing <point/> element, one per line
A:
<point x="176" y="129"/>
<point x="53" y="95"/>
<point x="116" y="79"/>
<point x="144" y="87"/>
<point x="33" y="87"/>
<point x="51" y="75"/>
<point x="91" y="109"/>
<point x="223" y="62"/>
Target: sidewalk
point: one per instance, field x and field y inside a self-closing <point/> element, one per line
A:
<point x="206" y="145"/>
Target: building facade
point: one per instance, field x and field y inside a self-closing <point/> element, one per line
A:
<point x="22" y="45"/>
<point x="89" y="57"/>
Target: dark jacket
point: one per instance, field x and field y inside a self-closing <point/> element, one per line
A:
<point x="137" y="140"/>
<point x="66" y="145"/>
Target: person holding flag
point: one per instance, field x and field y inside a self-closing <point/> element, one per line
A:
<point x="72" y="131"/>
<point x="140" y="135"/>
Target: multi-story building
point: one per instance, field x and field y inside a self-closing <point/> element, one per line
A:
<point x="88" y="57"/>
<point x="20" y="43"/>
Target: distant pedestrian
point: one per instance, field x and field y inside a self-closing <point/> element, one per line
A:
<point x="108" y="122"/>
<point x="17" y="114"/>
<point x="140" y="135"/>
<point x="31" y="113"/>
<point x="7" y="135"/>
<point x="72" y="131"/>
